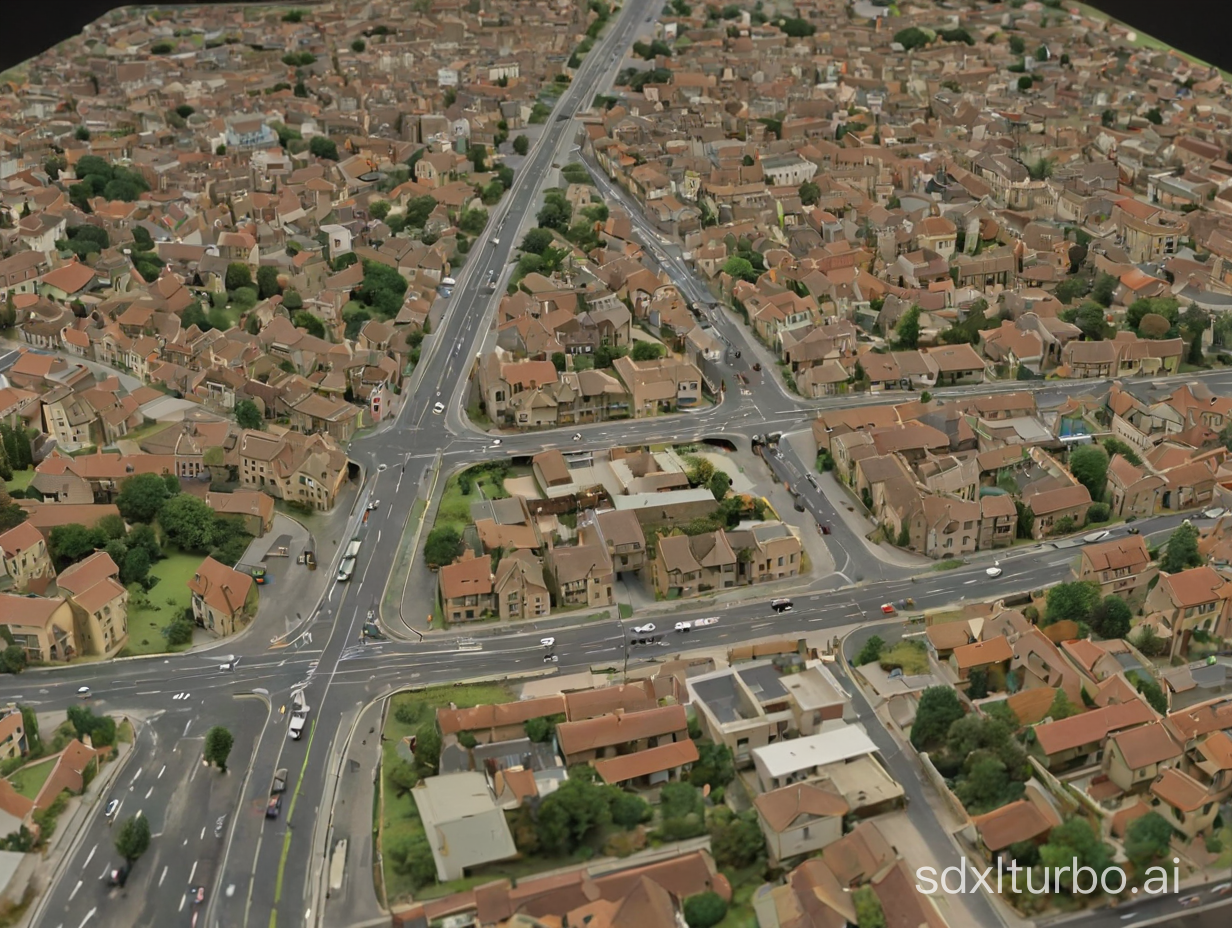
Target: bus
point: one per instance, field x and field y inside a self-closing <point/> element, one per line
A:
<point x="347" y="568"/>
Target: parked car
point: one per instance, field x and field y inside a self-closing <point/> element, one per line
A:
<point x="1133" y="530"/>
<point x="1213" y="513"/>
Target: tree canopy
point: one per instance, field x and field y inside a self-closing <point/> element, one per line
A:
<point x="1073" y="601"/>
<point x="133" y="838"/>
<point x="1089" y="464"/>
<point x="1182" y="550"/>
<point x="141" y="496"/>
<point x="938" y="709"/>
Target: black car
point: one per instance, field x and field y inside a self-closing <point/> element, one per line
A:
<point x="273" y="807"/>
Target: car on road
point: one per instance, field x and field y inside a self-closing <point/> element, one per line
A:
<point x="1191" y="900"/>
<point x="547" y="642"/>
<point x="993" y="571"/>
<point x="709" y="620"/>
<point x="798" y="503"/>
<point x="438" y="408"/>
<point x="643" y="629"/>
<point x="112" y="808"/>
<point x="495" y="242"/>
<point x="811" y="479"/>
<point x="83" y="692"/>
<point x="577" y="436"/>
<point x="273" y="807"/>
<point x="1222" y="889"/>
<point x="228" y="666"/>
<point x="381" y="468"/>
<point x="296" y="729"/>
<point x="888" y="608"/>
<point x="280" y="781"/>
<point x="684" y="626"/>
<point x="375" y="504"/>
<point x="496" y="442"/>
<point x="756" y="365"/>
<point x="782" y="605"/>
<point x="196" y="894"/>
<point x="1213" y="513"/>
<point x="220" y="825"/>
<point x="1132" y="530"/>
<point x="1096" y="536"/>
<point x="118" y="875"/>
<point x="550" y="658"/>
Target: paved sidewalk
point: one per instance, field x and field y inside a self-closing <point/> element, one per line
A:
<point x="354" y="900"/>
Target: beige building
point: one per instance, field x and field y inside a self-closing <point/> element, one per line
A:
<point x="799" y="819"/>
<point x="1193" y="600"/>
<point x="620" y="533"/>
<point x="655" y="387"/>
<point x="581" y="575"/>
<point x="750" y="705"/>
<point x="24" y="559"/>
<point x="519" y="587"/>
<point x="43" y="627"/>
<point x="464" y="824"/>
<point x="618" y="733"/>
<point x="99" y="603"/>
<point x="1134" y="758"/>
<point x="1121" y="567"/>
<point x="222" y="598"/>
<point x="466" y="588"/>
<point x="306" y="469"/>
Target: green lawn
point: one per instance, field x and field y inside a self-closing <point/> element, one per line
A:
<point x="911" y="656"/>
<point x="455" y="508"/>
<point x="30" y="779"/>
<point x="167" y="599"/>
<point x="401" y="819"/>
<point x="21" y="480"/>
<point x="146" y="430"/>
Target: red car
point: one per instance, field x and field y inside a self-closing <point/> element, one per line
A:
<point x="888" y="608"/>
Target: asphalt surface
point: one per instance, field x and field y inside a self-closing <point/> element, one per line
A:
<point x="211" y="828"/>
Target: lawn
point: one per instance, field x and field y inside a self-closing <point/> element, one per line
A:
<point x="30" y="779"/>
<point x="400" y="819"/>
<point x="21" y="480"/>
<point x="455" y="508"/>
<point x="166" y="600"/>
<point x="146" y="430"/>
<point x="912" y="656"/>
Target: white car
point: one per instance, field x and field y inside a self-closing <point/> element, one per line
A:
<point x="381" y="468"/>
<point x="112" y="808"/>
<point x="547" y="642"/>
<point x="375" y="504"/>
<point x="1096" y="536"/>
<point x="644" y="629"/>
<point x="684" y="626"/>
<point x="711" y="620"/>
<point x="495" y="442"/>
<point x="1213" y="513"/>
<point x="438" y="409"/>
<point x="83" y="692"/>
<point x="993" y="571"/>
<point x="577" y="436"/>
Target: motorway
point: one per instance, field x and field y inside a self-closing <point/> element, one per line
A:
<point x="210" y="828"/>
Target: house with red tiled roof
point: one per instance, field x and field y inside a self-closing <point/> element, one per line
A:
<point x="222" y="598"/>
<point x="1079" y="737"/>
<point x="800" y="819"/>
<point x="1121" y="566"/>
<point x="1198" y="599"/>
<point x="1031" y="819"/>
<point x="1188" y="805"/>
<point x="25" y="561"/>
<point x="1133" y="758"/>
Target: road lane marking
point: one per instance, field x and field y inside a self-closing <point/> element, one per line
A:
<point x="137" y="774"/>
<point x="161" y="772"/>
<point x="74" y="892"/>
<point x="150" y="693"/>
<point x="105" y="869"/>
<point x="90" y="856"/>
<point x="192" y="873"/>
<point x="149" y="792"/>
<point x="89" y="915"/>
<point x="762" y="625"/>
<point x="163" y="876"/>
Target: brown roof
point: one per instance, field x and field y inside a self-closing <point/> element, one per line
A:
<point x="590" y="704"/>
<point x="27" y="611"/>
<point x="946" y="636"/>
<point x="860" y="855"/>
<point x="471" y="576"/>
<point x="1019" y="821"/>
<point x="643" y="763"/>
<point x="497" y="715"/>
<point x="781" y="807"/>
<point x="1048" y="501"/>
<point x="1180" y="790"/>
<point x="1129" y="551"/>
<point x="84" y="574"/>
<point x="1091" y="727"/>
<point x="20" y="538"/>
<point x="1146" y="745"/>
<point x="223" y="588"/>
<point x="554" y="468"/>
<point x="993" y="651"/>
<point x="1193" y="587"/>
<point x="619" y="728"/>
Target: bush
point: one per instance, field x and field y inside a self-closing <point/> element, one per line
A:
<point x="179" y="632"/>
<point x="629" y="810"/>
<point x="704" y="910"/>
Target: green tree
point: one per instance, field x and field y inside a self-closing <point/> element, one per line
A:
<point x="986" y="786"/>
<point x="719" y="484"/>
<point x="714" y="766"/>
<point x="238" y="275"/>
<point x="1148" y="839"/>
<point x="144" y="536"/>
<point x="321" y="147"/>
<point x="977" y="683"/>
<point x="1017" y="45"/>
<point x="1074" y="838"/>
<point x="521" y="145"/>
<point x="1182" y="550"/>
<point x="136" y="566"/>
<point x="247" y="415"/>
<point x="133" y="838"/>
<point x="646" y="351"/>
<point x="309" y="323"/>
<point x="537" y="241"/>
<point x="938" y="709"/>
<point x="739" y="843"/>
<point x="358" y="46"/>
<point x="809" y="193"/>
<point x="267" y="282"/>
<point x="13" y="659"/>
<point x="1089" y="464"/>
<point x="178" y="631"/>
<point x="70" y="543"/>
<point x="704" y="910"/>
<point x="1153" y="694"/>
<point x="418" y="210"/>
<point x="871" y="651"/>
<point x="412" y="855"/>
<point x="740" y="269"/>
<point x="218" y="742"/>
<point x="188" y="522"/>
<point x="1111" y="618"/>
<point x="569" y="815"/>
<point x="1116" y="446"/>
<point x="141" y="496"/>
<point x="1105" y="286"/>
<point x="1073" y="601"/>
<point x="907" y="332"/>
<point x="629" y="810"/>
<point x="442" y="546"/>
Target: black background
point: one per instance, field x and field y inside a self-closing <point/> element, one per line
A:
<point x="1191" y="25"/>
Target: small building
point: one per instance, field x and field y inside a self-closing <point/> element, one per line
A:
<point x="1121" y="567"/>
<point x="42" y="626"/>
<point x="222" y="598"/>
<point x="25" y="562"/>
<point x="465" y="826"/>
<point x="799" y="819"/>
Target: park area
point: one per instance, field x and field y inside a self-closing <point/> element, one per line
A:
<point x="151" y="612"/>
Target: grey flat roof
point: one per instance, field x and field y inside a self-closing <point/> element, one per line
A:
<point x="719" y="694"/>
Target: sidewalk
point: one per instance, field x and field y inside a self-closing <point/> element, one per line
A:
<point x="43" y="872"/>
